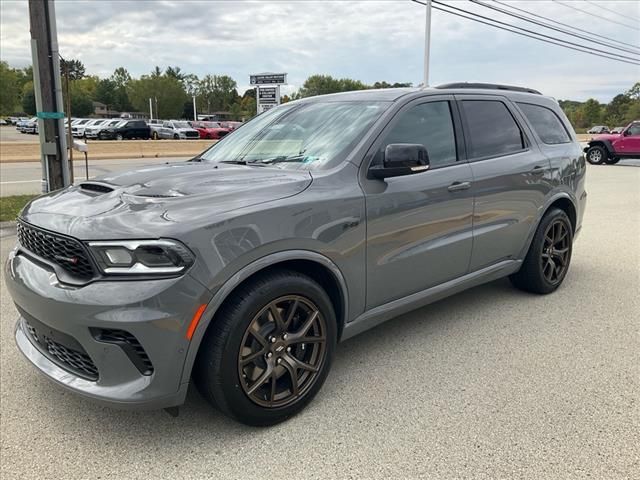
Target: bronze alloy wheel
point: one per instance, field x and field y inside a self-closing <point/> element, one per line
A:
<point x="555" y="251"/>
<point x="282" y="351"/>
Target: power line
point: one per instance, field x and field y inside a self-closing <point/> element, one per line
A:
<point x="565" y="42"/>
<point x="593" y="15"/>
<point x="605" y="8"/>
<point x="551" y="27"/>
<point x="560" y="44"/>
<point x="567" y="25"/>
<point x="606" y="52"/>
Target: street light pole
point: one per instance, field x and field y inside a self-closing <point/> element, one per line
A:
<point x="150" y="109"/>
<point x="427" y="42"/>
<point x="195" y="115"/>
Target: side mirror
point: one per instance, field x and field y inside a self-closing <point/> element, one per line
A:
<point x="402" y="159"/>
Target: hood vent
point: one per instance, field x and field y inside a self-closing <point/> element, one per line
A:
<point x="95" y="187"/>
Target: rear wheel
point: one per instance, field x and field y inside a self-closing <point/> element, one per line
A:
<point x="547" y="261"/>
<point x="269" y="349"/>
<point x="596" y="155"/>
<point x="176" y="137"/>
<point x="119" y="137"/>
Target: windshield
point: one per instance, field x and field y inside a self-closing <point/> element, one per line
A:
<point x="181" y="125"/>
<point x="298" y="136"/>
<point x="211" y="125"/>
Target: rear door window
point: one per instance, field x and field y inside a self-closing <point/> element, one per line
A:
<point x="491" y="129"/>
<point x="545" y="123"/>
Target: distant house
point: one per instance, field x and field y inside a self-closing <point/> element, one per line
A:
<point x="101" y="110"/>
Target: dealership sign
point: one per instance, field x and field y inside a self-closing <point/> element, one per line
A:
<point x="268" y="79"/>
<point x="267" y="96"/>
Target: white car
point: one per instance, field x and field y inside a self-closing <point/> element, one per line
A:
<point x="176" y="129"/>
<point x="94" y="130"/>
<point x="78" y="128"/>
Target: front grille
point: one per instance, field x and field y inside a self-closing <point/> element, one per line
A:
<point x="129" y="344"/>
<point x="75" y="360"/>
<point x="192" y="134"/>
<point x="66" y="252"/>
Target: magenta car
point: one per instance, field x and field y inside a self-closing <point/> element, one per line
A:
<point x="609" y="148"/>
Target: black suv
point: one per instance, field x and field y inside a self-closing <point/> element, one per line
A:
<point x="128" y="129"/>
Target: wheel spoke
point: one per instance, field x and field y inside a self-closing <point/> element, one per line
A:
<point x="305" y="327"/>
<point x="293" y="373"/>
<point x="274" y="380"/>
<point x="277" y="318"/>
<point x="261" y="340"/>
<point x="296" y="363"/>
<point x="250" y="358"/>
<point x="261" y="379"/>
<point x="321" y="338"/>
<point x="291" y="313"/>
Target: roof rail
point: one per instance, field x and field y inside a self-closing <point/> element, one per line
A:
<point x="489" y="86"/>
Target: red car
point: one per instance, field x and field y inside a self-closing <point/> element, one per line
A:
<point x="232" y="125"/>
<point x="210" y="130"/>
<point x="609" y="148"/>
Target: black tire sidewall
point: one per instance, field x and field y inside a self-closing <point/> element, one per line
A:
<point x="221" y="372"/>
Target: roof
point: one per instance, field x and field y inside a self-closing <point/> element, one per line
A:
<point x="393" y="94"/>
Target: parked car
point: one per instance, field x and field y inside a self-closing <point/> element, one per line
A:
<point x="25" y="124"/>
<point x="3" y="122"/>
<point x="92" y="131"/>
<point x="231" y="125"/>
<point x="617" y="130"/>
<point x="78" y="126"/>
<point x="127" y="129"/>
<point x="598" y="129"/>
<point x="210" y="130"/>
<point x="175" y="129"/>
<point x="243" y="267"/>
<point x="610" y="148"/>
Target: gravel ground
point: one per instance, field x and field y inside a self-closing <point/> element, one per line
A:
<point x="491" y="383"/>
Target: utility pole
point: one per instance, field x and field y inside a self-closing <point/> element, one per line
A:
<point x="48" y="91"/>
<point x="150" y="110"/>
<point x="427" y="42"/>
<point x="195" y="116"/>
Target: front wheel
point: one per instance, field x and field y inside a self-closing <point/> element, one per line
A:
<point x="269" y="349"/>
<point x="596" y="155"/>
<point x="549" y="255"/>
<point x="612" y="161"/>
<point x="119" y="137"/>
<point x="155" y="135"/>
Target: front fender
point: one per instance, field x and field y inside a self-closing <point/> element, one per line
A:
<point x="236" y="279"/>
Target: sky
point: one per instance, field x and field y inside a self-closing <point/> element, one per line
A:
<point x="370" y="40"/>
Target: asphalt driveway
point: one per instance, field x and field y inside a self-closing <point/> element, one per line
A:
<point x="491" y="383"/>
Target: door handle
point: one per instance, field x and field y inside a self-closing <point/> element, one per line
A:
<point x="457" y="186"/>
<point x="538" y="170"/>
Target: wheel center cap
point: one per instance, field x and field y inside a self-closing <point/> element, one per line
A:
<point x="279" y="348"/>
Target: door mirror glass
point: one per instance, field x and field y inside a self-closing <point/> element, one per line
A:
<point x="402" y="159"/>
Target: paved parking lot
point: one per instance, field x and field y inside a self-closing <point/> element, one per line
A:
<point x="492" y="383"/>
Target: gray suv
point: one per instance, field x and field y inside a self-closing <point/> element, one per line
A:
<point x="242" y="268"/>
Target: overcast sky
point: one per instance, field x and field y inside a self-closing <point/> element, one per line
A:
<point x="366" y="40"/>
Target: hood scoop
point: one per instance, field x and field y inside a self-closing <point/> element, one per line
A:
<point x="95" y="187"/>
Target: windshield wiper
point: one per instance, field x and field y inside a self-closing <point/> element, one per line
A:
<point x="280" y="159"/>
<point x="238" y="162"/>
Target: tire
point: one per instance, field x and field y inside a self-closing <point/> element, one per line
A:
<point x="612" y="161"/>
<point x="597" y="155"/>
<point x="176" y="137"/>
<point x="221" y="374"/>
<point x="543" y="258"/>
<point x="155" y="135"/>
<point x="119" y="137"/>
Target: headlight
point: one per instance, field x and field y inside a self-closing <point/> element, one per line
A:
<point x="142" y="257"/>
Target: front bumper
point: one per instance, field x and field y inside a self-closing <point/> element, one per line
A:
<point x="157" y="313"/>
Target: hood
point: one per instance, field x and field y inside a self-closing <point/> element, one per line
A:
<point x="185" y="130"/>
<point x="160" y="201"/>
<point x="605" y="136"/>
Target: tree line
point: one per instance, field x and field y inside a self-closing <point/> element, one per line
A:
<point x="172" y="90"/>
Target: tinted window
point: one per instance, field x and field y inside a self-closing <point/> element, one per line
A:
<point x="634" y="129"/>
<point x="546" y="123"/>
<point x="428" y="124"/>
<point x="492" y="130"/>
